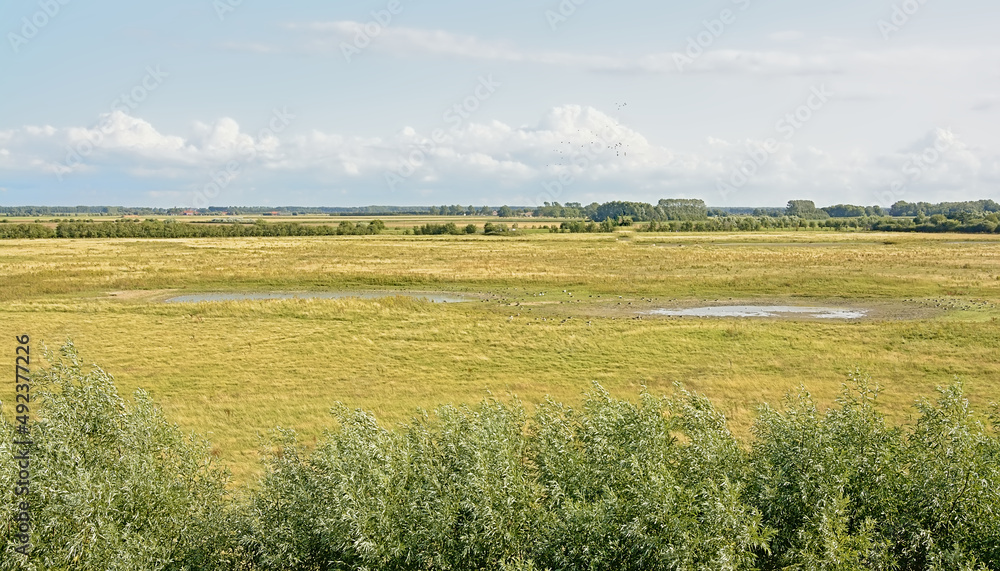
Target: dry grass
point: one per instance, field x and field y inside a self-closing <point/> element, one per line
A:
<point x="234" y="370"/>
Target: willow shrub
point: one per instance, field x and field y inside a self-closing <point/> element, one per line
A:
<point x="449" y="491"/>
<point x="113" y="484"/>
<point x="608" y="486"/>
<point x="622" y="491"/>
<point x="611" y="485"/>
<point x="842" y="490"/>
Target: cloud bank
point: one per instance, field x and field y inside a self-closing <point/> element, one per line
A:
<point x="571" y="153"/>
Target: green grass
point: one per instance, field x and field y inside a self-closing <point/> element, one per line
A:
<point x="234" y="370"/>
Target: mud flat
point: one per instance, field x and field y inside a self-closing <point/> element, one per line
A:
<point x="242" y="296"/>
<point x="773" y="311"/>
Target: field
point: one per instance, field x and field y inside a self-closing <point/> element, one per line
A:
<point x="234" y="370"/>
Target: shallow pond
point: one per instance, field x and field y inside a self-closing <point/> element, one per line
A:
<point x="240" y="296"/>
<point x="785" y="311"/>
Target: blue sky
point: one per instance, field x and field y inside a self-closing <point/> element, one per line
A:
<point x="737" y="102"/>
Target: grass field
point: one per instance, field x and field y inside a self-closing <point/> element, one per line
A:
<point x="233" y="370"/>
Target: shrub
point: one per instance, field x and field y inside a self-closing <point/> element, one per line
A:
<point x="492" y="229"/>
<point x="619" y="492"/>
<point x="844" y="490"/>
<point x="605" y="487"/>
<point x="113" y="485"/>
<point x="824" y="482"/>
<point x="613" y="484"/>
<point x="450" y="491"/>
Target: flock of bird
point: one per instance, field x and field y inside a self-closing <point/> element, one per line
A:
<point x="619" y="148"/>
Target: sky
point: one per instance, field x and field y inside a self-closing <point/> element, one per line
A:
<point x="196" y="103"/>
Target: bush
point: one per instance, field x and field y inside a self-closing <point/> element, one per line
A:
<point x="491" y="229"/>
<point x="605" y="487"/>
<point x="622" y="492"/>
<point x="450" y="491"/>
<point x="26" y="231"/>
<point x="844" y="490"/>
<point x="824" y="482"/>
<point x="613" y="484"/>
<point x="113" y="485"/>
<point x="437" y="229"/>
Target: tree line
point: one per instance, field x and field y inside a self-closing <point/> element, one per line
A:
<point x="978" y="208"/>
<point x="665" y="209"/>
<point x="668" y="210"/>
<point x="970" y="217"/>
<point x="490" y="229"/>
<point x="374" y="210"/>
<point x="661" y="483"/>
<point x="171" y="229"/>
<point x="668" y="215"/>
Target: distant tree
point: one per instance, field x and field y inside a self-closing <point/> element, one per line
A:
<point x="845" y="211"/>
<point x="682" y="209"/>
<point x="505" y="212"/>
<point x="805" y="209"/>
<point x="800" y="208"/>
<point x="637" y="211"/>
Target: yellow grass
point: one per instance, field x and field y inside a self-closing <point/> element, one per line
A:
<point x="233" y="370"/>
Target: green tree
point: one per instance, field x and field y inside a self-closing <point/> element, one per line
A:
<point x="802" y="209"/>
<point x="683" y="209"/>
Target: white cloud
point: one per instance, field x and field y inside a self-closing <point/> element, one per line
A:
<point x="399" y="41"/>
<point x="120" y="141"/>
<point x="573" y="151"/>
<point x="118" y="131"/>
<point x="403" y="41"/>
<point x="831" y="56"/>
